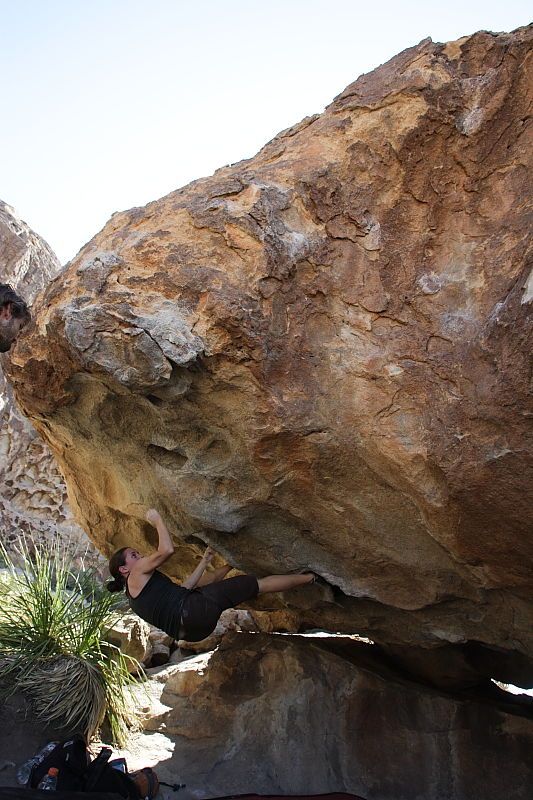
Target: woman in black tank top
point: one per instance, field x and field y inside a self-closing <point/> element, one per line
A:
<point x="191" y="610"/>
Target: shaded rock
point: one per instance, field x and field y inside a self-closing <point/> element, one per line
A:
<point x="282" y="715"/>
<point x="21" y="736"/>
<point x="160" y="654"/>
<point x="461" y="666"/>
<point x="318" y="357"/>
<point x="161" y="644"/>
<point x="132" y="635"/>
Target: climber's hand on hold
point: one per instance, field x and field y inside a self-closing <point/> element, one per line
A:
<point x="153" y="516"/>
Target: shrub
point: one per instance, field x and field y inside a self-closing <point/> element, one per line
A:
<point x="53" y="624"/>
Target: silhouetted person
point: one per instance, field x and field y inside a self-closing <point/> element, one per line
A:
<point x="14" y="314"/>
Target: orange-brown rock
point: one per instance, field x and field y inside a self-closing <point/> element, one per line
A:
<point x="318" y="357"/>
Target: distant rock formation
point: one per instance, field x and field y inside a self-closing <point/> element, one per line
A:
<point x="318" y="358"/>
<point x="27" y="262"/>
<point x="33" y="496"/>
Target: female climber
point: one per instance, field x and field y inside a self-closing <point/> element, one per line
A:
<point x="191" y="610"/>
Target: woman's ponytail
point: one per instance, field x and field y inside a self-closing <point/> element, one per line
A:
<point x="115" y="585"/>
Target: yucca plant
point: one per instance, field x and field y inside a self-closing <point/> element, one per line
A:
<point x="53" y="623"/>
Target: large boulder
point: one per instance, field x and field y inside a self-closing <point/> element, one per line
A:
<point x="278" y="714"/>
<point x="317" y="358"/>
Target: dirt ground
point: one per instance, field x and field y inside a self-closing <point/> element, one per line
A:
<point x="21" y="737"/>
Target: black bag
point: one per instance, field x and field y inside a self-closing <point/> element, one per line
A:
<point x="78" y="773"/>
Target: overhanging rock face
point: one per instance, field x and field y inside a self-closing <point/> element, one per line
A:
<point x="317" y="357"/>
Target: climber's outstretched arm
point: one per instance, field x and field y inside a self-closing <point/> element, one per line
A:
<point x="165" y="547"/>
<point x="192" y="580"/>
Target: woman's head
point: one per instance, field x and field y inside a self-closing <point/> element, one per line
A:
<point x="14" y="314"/>
<point x="120" y="565"/>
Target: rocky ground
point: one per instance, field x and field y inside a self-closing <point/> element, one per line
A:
<point x="21" y="736"/>
<point x="290" y="714"/>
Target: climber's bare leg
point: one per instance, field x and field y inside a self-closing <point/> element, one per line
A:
<point x="281" y="583"/>
<point x="214" y="576"/>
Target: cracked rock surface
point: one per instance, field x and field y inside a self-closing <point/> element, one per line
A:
<point x="288" y="715"/>
<point x="33" y="495"/>
<point x="318" y="358"/>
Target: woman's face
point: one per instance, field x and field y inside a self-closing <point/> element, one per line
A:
<point x="9" y="328"/>
<point x="130" y="557"/>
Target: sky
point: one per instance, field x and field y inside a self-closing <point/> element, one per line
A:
<point x="109" y="104"/>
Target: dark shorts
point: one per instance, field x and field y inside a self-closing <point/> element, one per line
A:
<point x="203" y="607"/>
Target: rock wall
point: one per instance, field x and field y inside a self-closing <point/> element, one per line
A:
<point x="317" y="358"/>
<point x="26" y="261"/>
<point x="274" y="714"/>
<point x="33" y="497"/>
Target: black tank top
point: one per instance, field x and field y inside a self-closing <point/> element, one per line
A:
<point x="160" y="603"/>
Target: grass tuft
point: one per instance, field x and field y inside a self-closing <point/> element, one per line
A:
<point x="53" y="624"/>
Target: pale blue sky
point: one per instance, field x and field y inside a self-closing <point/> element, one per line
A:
<point x="108" y="104"/>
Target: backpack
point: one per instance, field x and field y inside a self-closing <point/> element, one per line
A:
<point x="77" y="773"/>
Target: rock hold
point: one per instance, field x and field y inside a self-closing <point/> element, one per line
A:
<point x="137" y="351"/>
